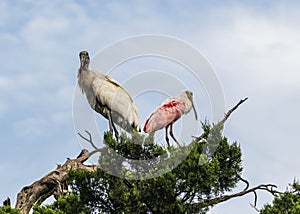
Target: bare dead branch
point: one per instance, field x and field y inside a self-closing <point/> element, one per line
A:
<point x="209" y="202"/>
<point x="53" y="183"/>
<point x="245" y="181"/>
<point x="255" y="198"/>
<point x="90" y="139"/>
<point x="226" y="116"/>
<point x="6" y="202"/>
<point x="95" y="151"/>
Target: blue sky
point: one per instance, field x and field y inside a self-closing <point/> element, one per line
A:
<point x="252" y="45"/>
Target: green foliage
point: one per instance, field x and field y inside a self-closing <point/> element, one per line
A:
<point x="151" y="179"/>
<point x="136" y="151"/>
<point x="136" y="147"/>
<point x="8" y="210"/>
<point x="286" y="203"/>
<point x="186" y="179"/>
<point x="69" y="204"/>
<point x="202" y="175"/>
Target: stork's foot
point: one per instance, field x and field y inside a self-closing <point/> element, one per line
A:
<point x="117" y="136"/>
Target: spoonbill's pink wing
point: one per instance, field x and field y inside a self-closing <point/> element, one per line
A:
<point x="169" y="111"/>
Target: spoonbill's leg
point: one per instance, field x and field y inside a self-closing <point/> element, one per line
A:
<point x="172" y="135"/>
<point x="167" y="138"/>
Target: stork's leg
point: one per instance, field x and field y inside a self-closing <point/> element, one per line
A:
<point x="112" y="125"/>
<point x="167" y="138"/>
<point x="110" y="122"/>
<point x="116" y="132"/>
<point x="172" y="135"/>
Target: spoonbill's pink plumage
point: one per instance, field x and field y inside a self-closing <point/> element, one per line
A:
<point x="168" y="112"/>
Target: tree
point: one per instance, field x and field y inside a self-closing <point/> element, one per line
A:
<point x="193" y="178"/>
<point x="189" y="188"/>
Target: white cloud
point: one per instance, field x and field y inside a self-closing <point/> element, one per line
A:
<point x="3" y="109"/>
<point x="272" y="49"/>
<point x="5" y="83"/>
<point x="265" y="48"/>
<point x="61" y="117"/>
<point x="31" y="128"/>
<point x="9" y="38"/>
<point x="43" y="32"/>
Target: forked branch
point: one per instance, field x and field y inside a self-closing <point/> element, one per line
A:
<point x="90" y="140"/>
<point x="227" y="115"/>
<point x="271" y="188"/>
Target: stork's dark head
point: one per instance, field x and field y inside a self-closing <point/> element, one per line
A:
<point x="84" y="59"/>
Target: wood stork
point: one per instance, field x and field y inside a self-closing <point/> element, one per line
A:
<point x="107" y="97"/>
<point x="168" y="112"/>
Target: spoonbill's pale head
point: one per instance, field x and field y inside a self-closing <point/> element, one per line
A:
<point x="187" y="95"/>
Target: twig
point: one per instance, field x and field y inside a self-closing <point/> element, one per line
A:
<point x="203" y="135"/>
<point x="90" y="140"/>
<point x="255" y="198"/>
<point x="227" y="115"/>
<point x="245" y="181"/>
<point x="7" y="202"/>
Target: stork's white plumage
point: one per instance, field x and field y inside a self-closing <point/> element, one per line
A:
<point x="107" y="97"/>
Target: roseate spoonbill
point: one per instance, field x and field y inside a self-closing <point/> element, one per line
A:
<point x="107" y="97"/>
<point x="168" y="112"/>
